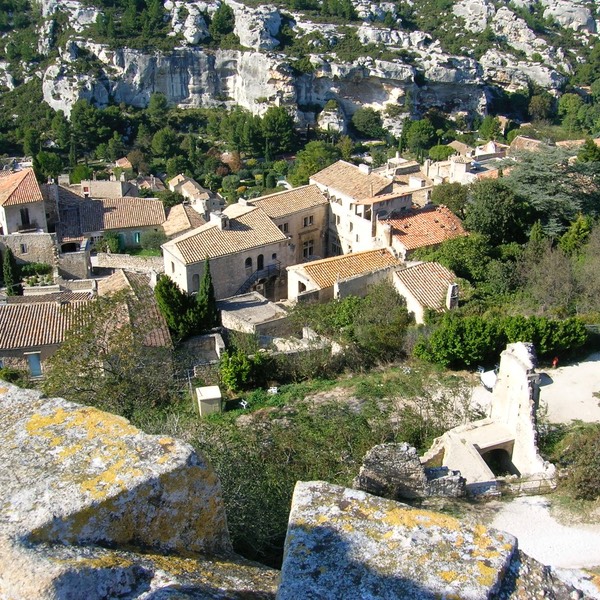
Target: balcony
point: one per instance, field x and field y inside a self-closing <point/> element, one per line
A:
<point x="30" y="227"/>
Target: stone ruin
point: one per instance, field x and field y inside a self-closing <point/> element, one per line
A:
<point x="92" y="508"/>
<point x="394" y="471"/>
<point x="502" y="448"/>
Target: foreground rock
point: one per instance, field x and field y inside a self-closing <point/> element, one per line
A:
<point x="394" y="471"/>
<point x="75" y="480"/>
<point x="344" y="543"/>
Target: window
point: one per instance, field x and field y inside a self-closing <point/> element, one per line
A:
<point x="350" y="226"/>
<point x="284" y="227"/>
<point x="248" y="263"/>
<point x="172" y="267"/>
<point x="274" y="256"/>
<point x="24" y="216"/>
<point x="260" y="262"/>
<point x="336" y="249"/>
<point x="195" y="282"/>
<point x="338" y="219"/>
<point x="35" y="364"/>
<point x="137" y="237"/>
<point x="308" y="248"/>
<point x="308" y="221"/>
<point x="23" y="248"/>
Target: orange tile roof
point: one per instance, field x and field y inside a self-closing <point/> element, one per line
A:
<point x="349" y="180"/>
<point x="249" y="227"/>
<point x="521" y="143"/>
<point x="36" y="324"/>
<point x="428" y="282"/>
<point x="59" y="297"/>
<point x="20" y="187"/>
<point x="327" y="271"/>
<point x="141" y="305"/>
<point x="182" y="218"/>
<point x="120" y="213"/>
<point x="425" y="227"/>
<point x="289" y="202"/>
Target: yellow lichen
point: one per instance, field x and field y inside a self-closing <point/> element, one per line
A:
<point x="448" y="576"/>
<point x="3" y="390"/>
<point x="487" y="574"/>
<point x="412" y="518"/>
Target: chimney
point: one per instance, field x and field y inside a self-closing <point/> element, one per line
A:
<point x="220" y="219"/>
<point x="452" y="296"/>
<point x="366" y="169"/>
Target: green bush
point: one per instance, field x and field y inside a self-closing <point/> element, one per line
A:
<point x="579" y="453"/>
<point x="30" y="269"/>
<point x="468" y="341"/>
<point x="152" y="240"/>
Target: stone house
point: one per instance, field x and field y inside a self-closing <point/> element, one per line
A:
<point x="352" y="227"/>
<point x="201" y="199"/>
<point x="21" y="203"/>
<point x="419" y="228"/>
<point x="302" y="215"/>
<point x="128" y="217"/>
<point x="340" y="276"/>
<point x="245" y="248"/>
<point x="426" y="286"/>
<point x="32" y="328"/>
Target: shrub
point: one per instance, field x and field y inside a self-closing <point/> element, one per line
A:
<point x="152" y="240"/>
<point x="579" y="452"/>
<point x="35" y="269"/>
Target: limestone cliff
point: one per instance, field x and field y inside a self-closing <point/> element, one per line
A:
<point x="259" y="74"/>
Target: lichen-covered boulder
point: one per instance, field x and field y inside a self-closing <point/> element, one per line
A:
<point x="76" y="476"/>
<point x="344" y="543"/>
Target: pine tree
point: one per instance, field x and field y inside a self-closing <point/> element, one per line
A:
<point x="206" y="300"/>
<point x="10" y="273"/>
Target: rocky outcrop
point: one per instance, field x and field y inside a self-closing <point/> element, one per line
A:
<point x="572" y="14"/>
<point x="345" y="543"/>
<point x="256" y="27"/>
<point x="475" y="13"/>
<point x="394" y="471"/>
<point x="502" y="69"/>
<point x="332" y="119"/>
<point x="75" y="481"/>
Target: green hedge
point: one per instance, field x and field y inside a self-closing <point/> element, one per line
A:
<point x="460" y="342"/>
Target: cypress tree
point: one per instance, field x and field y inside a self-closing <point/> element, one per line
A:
<point x="10" y="274"/>
<point x="173" y="304"/>
<point x="206" y="300"/>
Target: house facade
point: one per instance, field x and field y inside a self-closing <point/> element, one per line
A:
<point x="358" y="199"/>
<point x="340" y="276"/>
<point x="302" y="214"/>
<point x="22" y="206"/>
<point x="246" y="250"/>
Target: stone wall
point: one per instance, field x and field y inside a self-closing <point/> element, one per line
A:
<point x="131" y="263"/>
<point x="31" y="247"/>
<point x="74" y="265"/>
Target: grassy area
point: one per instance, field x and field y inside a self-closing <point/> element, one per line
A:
<point x="143" y="252"/>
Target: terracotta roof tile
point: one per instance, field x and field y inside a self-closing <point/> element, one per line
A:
<point x="63" y="296"/>
<point x="428" y="282"/>
<point x="348" y="179"/>
<point x="249" y="227"/>
<point x="119" y="213"/>
<point x="20" y="187"/>
<point x="182" y="218"/>
<point x="425" y="227"/>
<point x="36" y="324"/>
<point x="327" y="271"/>
<point x="289" y="202"/>
<point x="521" y="143"/>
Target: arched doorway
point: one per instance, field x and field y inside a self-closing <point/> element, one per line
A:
<point x="260" y="262"/>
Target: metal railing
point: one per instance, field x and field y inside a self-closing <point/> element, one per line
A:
<point x="271" y="270"/>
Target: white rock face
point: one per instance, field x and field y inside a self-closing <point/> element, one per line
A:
<point x="515" y="31"/>
<point x="503" y="70"/>
<point x="571" y="14"/>
<point x="415" y="40"/>
<point x="6" y="79"/>
<point x="256" y="27"/>
<point x="79" y="15"/>
<point x="476" y="13"/>
<point x="187" y="77"/>
<point x="333" y="120"/>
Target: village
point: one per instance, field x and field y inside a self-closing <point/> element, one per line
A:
<point x="351" y="227"/>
